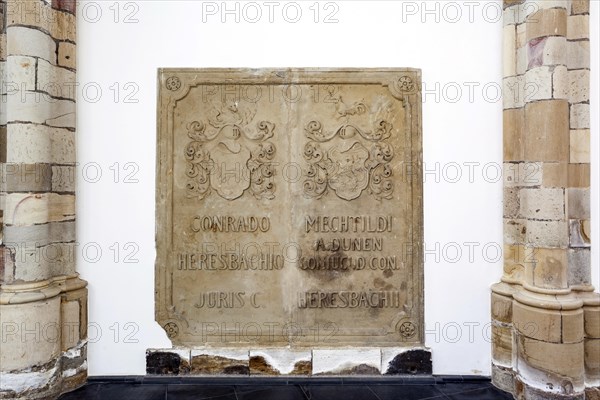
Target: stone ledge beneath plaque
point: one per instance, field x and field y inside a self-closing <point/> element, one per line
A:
<point x="289" y="362"/>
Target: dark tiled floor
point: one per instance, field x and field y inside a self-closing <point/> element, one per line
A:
<point x="148" y="388"/>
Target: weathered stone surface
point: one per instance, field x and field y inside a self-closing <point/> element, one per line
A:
<point x="2" y="142"/>
<point x="540" y="80"/>
<point x="578" y="237"/>
<point x="521" y="36"/>
<point x="550" y="234"/>
<point x="23" y="177"/>
<point x="66" y="55"/>
<point x="547" y="123"/>
<point x="502" y="345"/>
<point x="39" y="14"/>
<point x="522" y="65"/>
<point x="289" y="207"/>
<point x="579" y="84"/>
<point x="550" y="268"/>
<point x="548" y="325"/>
<point x="543" y="204"/>
<point x="32" y="143"/>
<point x="40" y="108"/>
<point x="580" y="6"/>
<point x="280" y="362"/>
<point x="509" y="50"/>
<point x="532" y="391"/>
<point x="31" y="334"/>
<point x="24" y="41"/>
<point x="347" y="362"/>
<point x="592" y="360"/>
<point x="167" y="362"/>
<point x="501" y="307"/>
<point x="220" y="362"/>
<point x="580" y="116"/>
<point x="513" y="126"/>
<point x="560" y="83"/>
<point x="56" y="81"/>
<point x="40" y="235"/>
<point x="63" y="178"/>
<point x="409" y="362"/>
<point x="578" y="175"/>
<point x="578" y="203"/>
<point x="580" y="146"/>
<point x="20" y="75"/>
<point x="578" y="54"/>
<point x="74" y="366"/>
<point x="69" y="322"/>
<point x="65" y="5"/>
<point x="592" y="393"/>
<point x="519" y="262"/>
<point x="547" y="22"/>
<point x="523" y="174"/>
<point x="578" y="27"/>
<point x="503" y="378"/>
<point x="511" y="202"/>
<point x="592" y="322"/>
<point x="515" y="231"/>
<point x="555" y="175"/>
<point x="579" y="266"/>
<point x="27" y="209"/>
<point x="32" y="263"/>
<point x="510" y="16"/>
<point x="513" y="89"/>
<point x="544" y="5"/>
<point x="549" y="50"/>
<point x="3" y="51"/>
<point x="558" y="365"/>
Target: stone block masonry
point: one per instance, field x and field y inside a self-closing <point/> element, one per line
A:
<point x="541" y="348"/>
<point x="43" y="303"/>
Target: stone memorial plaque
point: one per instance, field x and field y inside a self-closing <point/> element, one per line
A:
<point x="289" y="207"/>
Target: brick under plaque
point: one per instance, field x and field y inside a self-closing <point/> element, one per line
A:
<point x="289" y="208"/>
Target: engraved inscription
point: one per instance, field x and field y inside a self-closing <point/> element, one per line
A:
<point x="228" y="223"/>
<point x="227" y="300"/>
<point x="349" y="223"/>
<point x="230" y="260"/>
<point x="349" y="299"/>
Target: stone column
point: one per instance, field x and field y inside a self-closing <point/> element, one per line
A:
<point x="545" y="314"/>
<point x="43" y="303"/>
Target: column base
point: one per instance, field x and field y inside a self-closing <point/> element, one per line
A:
<point x="44" y="338"/>
<point x="545" y="343"/>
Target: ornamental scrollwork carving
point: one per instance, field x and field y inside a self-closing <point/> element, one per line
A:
<point x="228" y="155"/>
<point x="348" y="167"/>
<point x="357" y="159"/>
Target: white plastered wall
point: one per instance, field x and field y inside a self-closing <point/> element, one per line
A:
<point x="458" y="47"/>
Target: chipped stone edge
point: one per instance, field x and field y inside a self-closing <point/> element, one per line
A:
<point x="284" y="361"/>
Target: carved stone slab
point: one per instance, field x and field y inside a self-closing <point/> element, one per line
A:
<point x="289" y="207"/>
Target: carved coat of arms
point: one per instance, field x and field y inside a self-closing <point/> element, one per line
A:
<point x="229" y="156"/>
<point x="359" y="160"/>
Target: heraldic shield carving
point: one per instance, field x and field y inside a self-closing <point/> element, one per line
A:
<point x="229" y="156"/>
